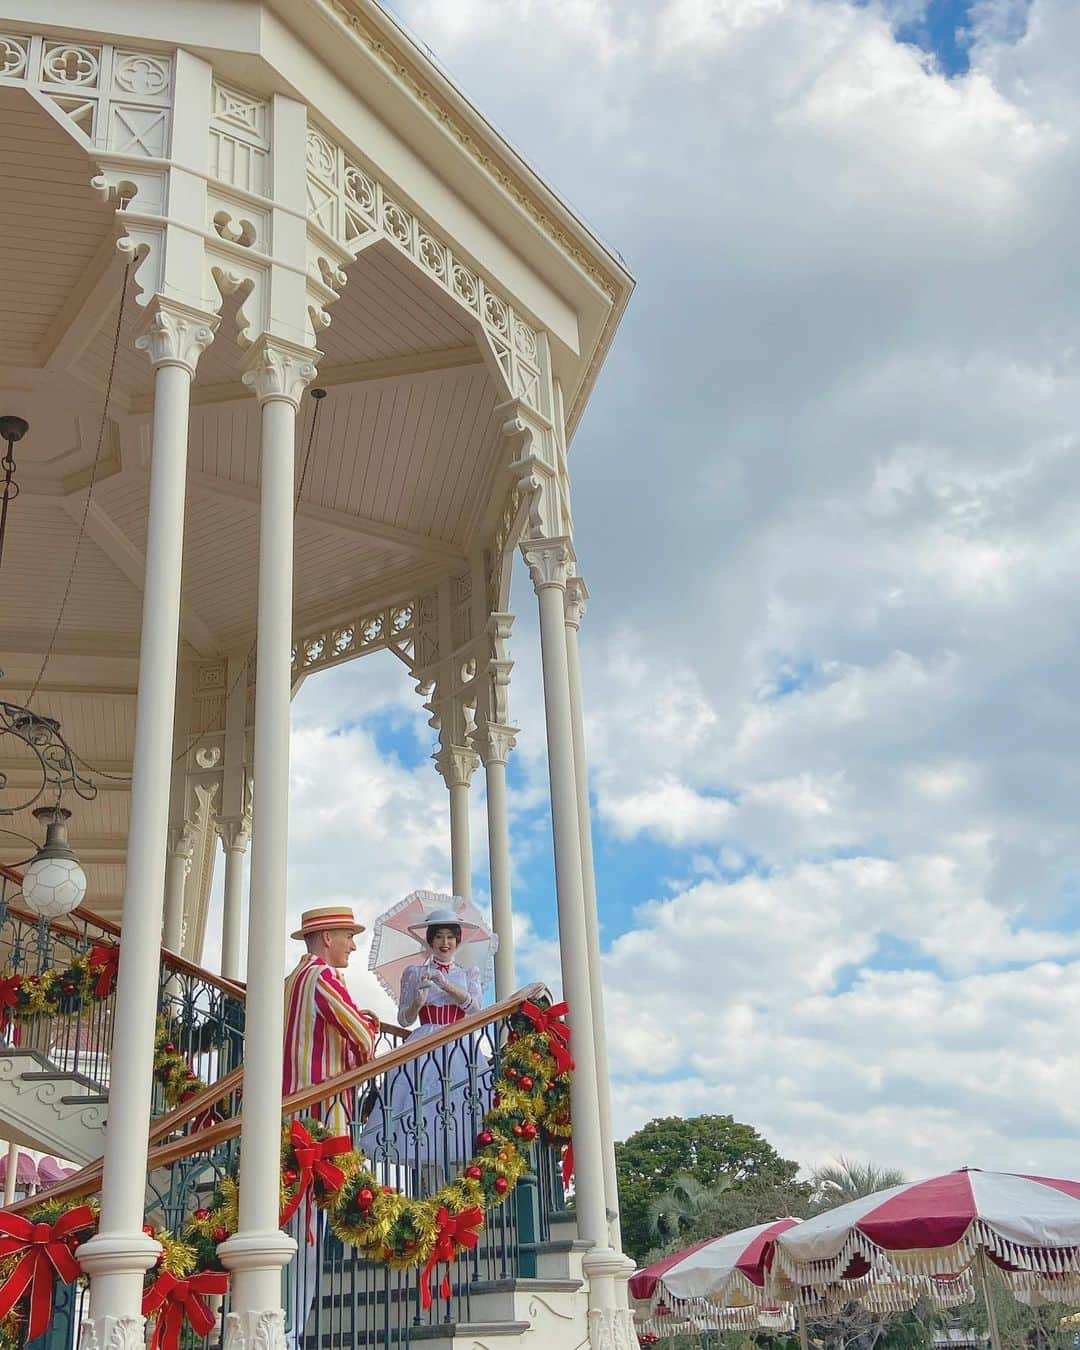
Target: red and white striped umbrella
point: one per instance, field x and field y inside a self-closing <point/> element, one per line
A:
<point x="1027" y="1227"/>
<point x="718" y="1284"/>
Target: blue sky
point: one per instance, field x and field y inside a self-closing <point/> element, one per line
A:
<point x="826" y="501"/>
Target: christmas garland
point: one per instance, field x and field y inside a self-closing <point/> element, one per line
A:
<point x="91" y="978"/>
<point x="531" y="1102"/>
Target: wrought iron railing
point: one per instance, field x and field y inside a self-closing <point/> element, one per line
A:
<point x="415" y="1110"/>
<point x="204" y="1012"/>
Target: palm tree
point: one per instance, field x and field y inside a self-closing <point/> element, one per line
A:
<point x="682" y="1205"/>
<point x="843" y="1180"/>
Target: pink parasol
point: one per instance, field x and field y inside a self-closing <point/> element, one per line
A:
<point x="715" y="1285"/>
<point x="393" y="946"/>
<point x="1024" y="1228"/>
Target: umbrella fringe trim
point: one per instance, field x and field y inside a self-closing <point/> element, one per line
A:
<point x="1034" y="1261"/>
<point x="734" y="1283"/>
<point x="685" y="1317"/>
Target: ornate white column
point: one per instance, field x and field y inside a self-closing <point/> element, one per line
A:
<point x="177" y="866"/>
<point x="278" y="372"/>
<point x="496" y="742"/>
<point x="577" y="595"/>
<point x="457" y="764"/>
<point x="610" y="1322"/>
<point x="234" y="834"/>
<point x="174" y="336"/>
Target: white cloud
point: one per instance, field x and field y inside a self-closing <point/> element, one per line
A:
<point x="826" y="499"/>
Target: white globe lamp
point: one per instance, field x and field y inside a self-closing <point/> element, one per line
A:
<point x="53" y="884"/>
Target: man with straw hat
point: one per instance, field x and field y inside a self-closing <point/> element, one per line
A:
<point x="325" y="1032"/>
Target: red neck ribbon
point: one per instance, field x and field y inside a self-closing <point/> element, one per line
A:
<point x="176" y="1301"/>
<point x="546" y="1021"/>
<point x="44" y="1252"/>
<point x="104" y="963"/>
<point x="312" y="1155"/>
<point x="456" y="1232"/>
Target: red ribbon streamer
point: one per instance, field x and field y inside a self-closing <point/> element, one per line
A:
<point x="546" y="1021"/>
<point x="46" y="1254"/>
<point x="105" y="962"/>
<point x="312" y="1155"/>
<point x="456" y="1232"/>
<point x="567" y="1164"/>
<point x="175" y="1300"/>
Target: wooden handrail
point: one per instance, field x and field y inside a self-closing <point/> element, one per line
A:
<point x="233" y="988"/>
<point x="86" y="1182"/>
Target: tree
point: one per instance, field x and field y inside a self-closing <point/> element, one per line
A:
<point x="682" y="1206"/>
<point x="709" y="1149"/>
<point x="843" y="1180"/>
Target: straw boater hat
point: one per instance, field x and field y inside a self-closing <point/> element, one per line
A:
<point x="445" y="918"/>
<point x="330" y="916"/>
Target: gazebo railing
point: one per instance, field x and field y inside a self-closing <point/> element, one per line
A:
<point x="427" y="1098"/>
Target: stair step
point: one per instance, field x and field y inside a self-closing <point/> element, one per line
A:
<point x="54" y="1075"/>
<point x="523" y="1285"/>
<point x="557" y="1246"/>
<point x="328" y="1340"/>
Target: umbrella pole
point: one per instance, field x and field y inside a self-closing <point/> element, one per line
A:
<point x="991" y="1311"/>
<point x="804" y="1343"/>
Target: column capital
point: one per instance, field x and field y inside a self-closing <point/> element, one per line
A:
<point x="577" y="601"/>
<point x="277" y="370"/>
<point x="548" y="561"/>
<point x="175" y="334"/>
<point x="182" y="842"/>
<point x="495" y="740"/>
<point x="456" y="764"/>
<point x="233" y="831"/>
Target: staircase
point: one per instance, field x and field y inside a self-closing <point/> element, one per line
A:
<point x="55" y="1068"/>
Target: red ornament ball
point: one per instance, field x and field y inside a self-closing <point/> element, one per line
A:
<point x="474" y="1173"/>
<point x="501" y="1185"/>
<point x="365" y="1196"/>
<point x="484" y="1138"/>
<point x="511" y="1072"/>
<point x="202" y="1213"/>
<point x="220" y="1234"/>
<point x="148" y="1229"/>
<point x="518" y="1131"/>
<point x="69" y="988"/>
<point x="289" y="1177"/>
<point x="528" y="1131"/>
<point x="525" y="1082"/>
<point x="169" y="1048"/>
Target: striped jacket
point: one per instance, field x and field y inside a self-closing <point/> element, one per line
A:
<point x="325" y="1033"/>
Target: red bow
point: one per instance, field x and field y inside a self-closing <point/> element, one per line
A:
<point x="45" y="1253"/>
<point x="546" y="1021"/>
<point x="104" y="962"/>
<point x="456" y="1232"/>
<point x="567" y="1164"/>
<point x="10" y="988"/>
<point x="175" y="1300"/>
<point x="312" y="1154"/>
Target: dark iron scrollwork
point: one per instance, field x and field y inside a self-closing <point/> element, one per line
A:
<point x="56" y="762"/>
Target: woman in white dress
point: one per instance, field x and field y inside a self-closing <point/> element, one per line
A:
<point x="429" y="1109"/>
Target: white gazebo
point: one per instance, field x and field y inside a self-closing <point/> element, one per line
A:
<point x="210" y="211"/>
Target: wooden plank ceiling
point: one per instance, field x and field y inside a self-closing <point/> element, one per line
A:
<point x="394" y="486"/>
